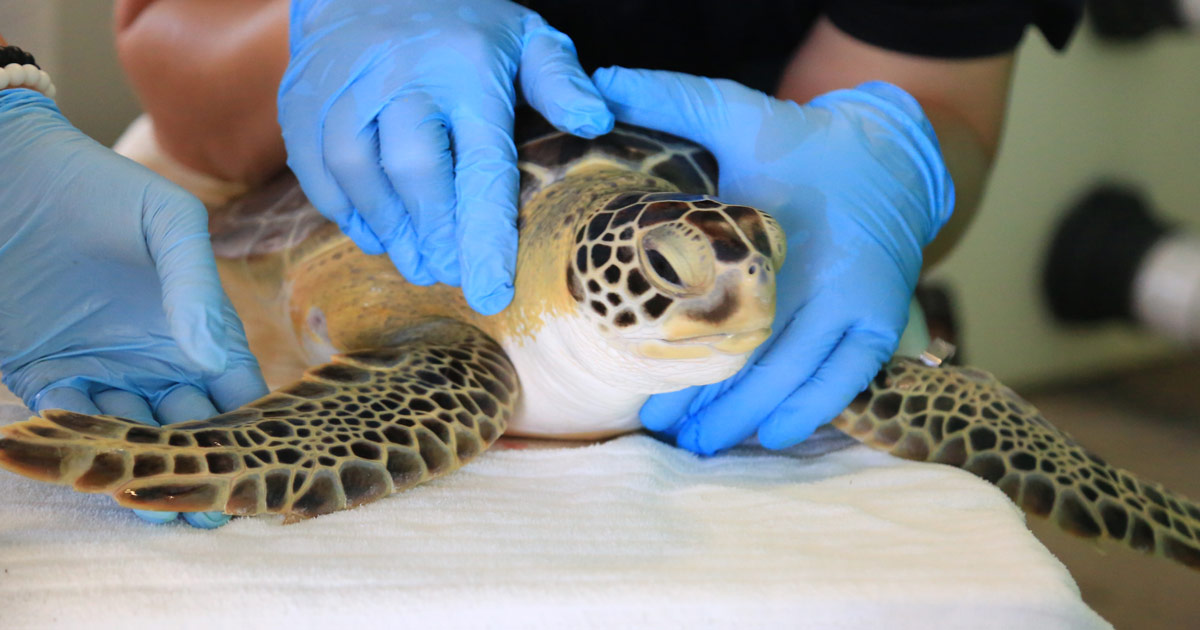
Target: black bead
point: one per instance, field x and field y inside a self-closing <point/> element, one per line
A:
<point x="13" y="54"/>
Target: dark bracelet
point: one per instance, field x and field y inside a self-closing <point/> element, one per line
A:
<point x="13" y="54"/>
<point x="18" y="70"/>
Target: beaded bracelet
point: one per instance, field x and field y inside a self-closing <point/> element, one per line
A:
<point x="18" y="70"/>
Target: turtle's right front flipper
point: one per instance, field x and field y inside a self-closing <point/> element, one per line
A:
<point x="367" y="424"/>
<point x="964" y="417"/>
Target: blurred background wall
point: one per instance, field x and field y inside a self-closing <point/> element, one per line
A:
<point x="1101" y="110"/>
<point x="73" y="41"/>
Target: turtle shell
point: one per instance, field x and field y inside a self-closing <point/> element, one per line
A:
<point x="277" y="216"/>
<point x="546" y="154"/>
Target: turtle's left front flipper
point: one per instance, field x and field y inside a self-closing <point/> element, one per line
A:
<point x="966" y="418"/>
<point x="349" y="432"/>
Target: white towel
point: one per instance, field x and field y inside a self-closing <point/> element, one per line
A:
<point x="630" y="533"/>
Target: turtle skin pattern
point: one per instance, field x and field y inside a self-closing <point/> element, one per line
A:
<point x="367" y="424"/>
<point x="964" y="417"/>
<point x="434" y="395"/>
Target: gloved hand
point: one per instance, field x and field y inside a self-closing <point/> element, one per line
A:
<point x="857" y="182"/>
<point x="109" y="296"/>
<point x="398" y="119"/>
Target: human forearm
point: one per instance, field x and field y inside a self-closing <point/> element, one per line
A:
<point x="964" y="99"/>
<point x="969" y="160"/>
<point x="207" y="72"/>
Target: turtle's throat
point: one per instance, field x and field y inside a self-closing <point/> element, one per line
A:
<point x="571" y="383"/>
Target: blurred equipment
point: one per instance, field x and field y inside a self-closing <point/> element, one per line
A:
<point x="1129" y="20"/>
<point x="937" y="302"/>
<point x="1112" y="259"/>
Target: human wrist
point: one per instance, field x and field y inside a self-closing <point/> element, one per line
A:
<point x="969" y="160"/>
<point x="914" y="135"/>
<point x="881" y="144"/>
<point x="18" y="69"/>
<point x="27" y="120"/>
<point x="16" y="102"/>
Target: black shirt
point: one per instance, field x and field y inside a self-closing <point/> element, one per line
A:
<point x="751" y="40"/>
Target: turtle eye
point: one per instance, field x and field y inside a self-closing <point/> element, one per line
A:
<point x="677" y="260"/>
<point x="662" y="267"/>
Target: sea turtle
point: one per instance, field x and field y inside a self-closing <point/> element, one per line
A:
<point x="632" y="279"/>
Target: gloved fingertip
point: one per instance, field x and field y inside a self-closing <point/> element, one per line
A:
<point x="411" y="265"/>
<point x="882" y="89"/>
<point x="210" y="359"/>
<point x="488" y="274"/>
<point x="362" y="235"/>
<point x="202" y="337"/>
<point x="655" y="419"/>
<point x="445" y="269"/>
<point x="666" y="412"/>
<point x="603" y="78"/>
<point x="206" y="520"/>
<point x="615" y="83"/>
<point x="589" y="124"/>
<point x="237" y="386"/>
<point x="157" y="518"/>
<point x="586" y="115"/>
<point x="690" y="438"/>
<point x="781" y="433"/>
<point x="711" y="447"/>
<point x="493" y="300"/>
<point x="420" y="276"/>
<point x="182" y="403"/>
<point x="896" y="96"/>
<point x="67" y="398"/>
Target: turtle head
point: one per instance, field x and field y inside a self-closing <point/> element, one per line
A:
<point x="683" y="282"/>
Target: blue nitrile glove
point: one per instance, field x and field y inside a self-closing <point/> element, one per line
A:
<point x="857" y="182"/>
<point x="398" y="122"/>
<point x="109" y="297"/>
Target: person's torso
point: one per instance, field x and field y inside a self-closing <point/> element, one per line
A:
<point x="748" y="41"/>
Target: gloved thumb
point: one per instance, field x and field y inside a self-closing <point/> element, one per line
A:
<point x="894" y="101"/>
<point x="684" y="105"/>
<point x="661" y="412"/>
<point x="176" y="231"/>
<point x="556" y="86"/>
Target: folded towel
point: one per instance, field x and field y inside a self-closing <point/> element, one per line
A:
<point x="629" y="533"/>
